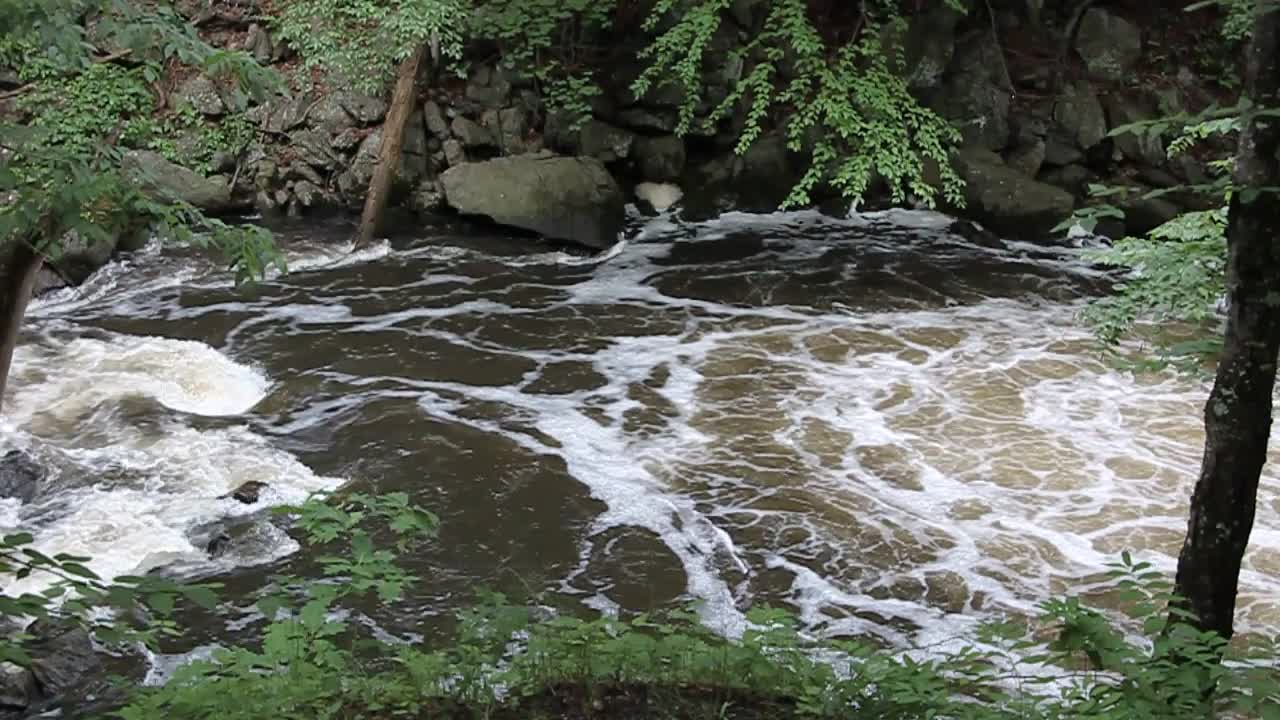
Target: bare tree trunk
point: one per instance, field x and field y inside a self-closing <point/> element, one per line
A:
<point x="17" y="279"/>
<point x="389" y="151"/>
<point x="1237" y="417"/>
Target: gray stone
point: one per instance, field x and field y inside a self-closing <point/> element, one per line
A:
<point x="164" y="180"/>
<point x="572" y="199"/>
<point x="1138" y="146"/>
<point x="605" y="142"/>
<point x="1059" y="151"/>
<point x="1079" y="115"/>
<point x="413" y="149"/>
<point x="1005" y="200"/>
<point x="472" y="134"/>
<point x="660" y="159"/>
<point x="248" y="493"/>
<point x="202" y="94"/>
<point x="312" y="147"/>
<point x="282" y="113"/>
<point x="1144" y="214"/>
<point x="427" y="197"/>
<point x="930" y="45"/>
<point x="64" y="656"/>
<point x="748" y="13"/>
<point x="488" y="87"/>
<point x="454" y="154"/>
<point x="974" y="96"/>
<point x="82" y="257"/>
<point x="222" y="162"/>
<point x="510" y="126"/>
<point x="1072" y="178"/>
<point x="347" y="139"/>
<point x="437" y="125"/>
<point x="364" y="108"/>
<point x="1027" y="158"/>
<point x="366" y="157"/>
<point x="258" y="44"/>
<point x="264" y="173"/>
<point x="1109" y="45"/>
<point x="329" y="115"/>
<point x="264" y="202"/>
<point x="303" y="172"/>
<point x="560" y="135"/>
<point x="639" y="118"/>
<point x="20" y="476"/>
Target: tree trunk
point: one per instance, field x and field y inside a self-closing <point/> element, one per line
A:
<point x="17" y="278"/>
<point x="389" y="151"/>
<point x="1237" y="417"/>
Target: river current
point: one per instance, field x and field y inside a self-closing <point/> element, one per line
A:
<point x="890" y="429"/>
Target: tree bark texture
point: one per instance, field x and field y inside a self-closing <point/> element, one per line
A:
<point x="384" y="172"/>
<point x="1237" y="416"/>
<point x="18" y="271"/>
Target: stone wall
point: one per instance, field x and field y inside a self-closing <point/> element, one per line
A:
<point x="1035" y="126"/>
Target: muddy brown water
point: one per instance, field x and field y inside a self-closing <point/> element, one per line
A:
<point x="890" y="429"/>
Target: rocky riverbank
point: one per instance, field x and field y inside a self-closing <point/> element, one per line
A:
<point x="1035" y="89"/>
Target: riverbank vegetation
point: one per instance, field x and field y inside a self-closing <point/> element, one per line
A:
<point x="513" y="661"/>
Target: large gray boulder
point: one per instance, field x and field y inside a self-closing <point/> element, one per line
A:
<point x="975" y="94"/>
<point x="1109" y="45"/>
<point x="165" y="180"/>
<point x="1079" y="115"/>
<point x="20" y="476"/>
<point x="660" y="159"/>
<point x="1005" y="200"/>
<point x="564" y="198"/>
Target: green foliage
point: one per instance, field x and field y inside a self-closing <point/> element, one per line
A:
<point x="849" y="105"/>
<point x="363" y="40"/>
<point x="62" y="170"/>
<point x="1176" y="276"/>
<point x="188" y="139"/>
<point x="77" y="595"/>
<point x="1075" y="662"/>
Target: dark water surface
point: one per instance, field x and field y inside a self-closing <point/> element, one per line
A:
<point x="888" y="428"/>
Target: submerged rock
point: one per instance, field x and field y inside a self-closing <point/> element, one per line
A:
<point x="564" y="198"/>
<point x="20" y="476"/>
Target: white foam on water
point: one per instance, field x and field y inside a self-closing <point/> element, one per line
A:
<point x="129" y="496"/>
<point x="64" y="381"/>
<point x="929" y="467"/>
<point x="329" y="257"/>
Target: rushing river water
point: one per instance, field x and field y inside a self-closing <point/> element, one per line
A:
<point x="887" y="428"/>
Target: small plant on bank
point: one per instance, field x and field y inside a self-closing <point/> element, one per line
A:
<point x="1073" y="662"/>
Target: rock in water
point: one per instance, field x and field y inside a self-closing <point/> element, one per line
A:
<point x="564" y="198"/>
<point x="248" y="493"/>
<point x="1005" y="200"/>
<point x="64" y="657"/>
<point x="20" y="476"/>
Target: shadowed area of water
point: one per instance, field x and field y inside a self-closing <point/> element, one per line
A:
<point x="889" y="428"/>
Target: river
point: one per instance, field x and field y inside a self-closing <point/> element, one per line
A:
<point x="890" y="429"/>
